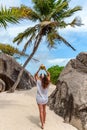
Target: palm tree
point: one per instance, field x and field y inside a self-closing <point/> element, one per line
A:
<point x="50" y="16"/>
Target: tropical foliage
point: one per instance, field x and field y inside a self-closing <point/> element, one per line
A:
<point x="10" y="50"/>
<point x="55" y="72"/>
<point x="50" y="16"/>
<point x="7" y="16"/>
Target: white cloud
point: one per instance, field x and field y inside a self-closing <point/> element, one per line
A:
<point x="10" y="3"/>
<point x="13" y="31"/>
<point x="59" y="61"/>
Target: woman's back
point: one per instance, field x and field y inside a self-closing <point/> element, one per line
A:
<point x="42" y="93"/>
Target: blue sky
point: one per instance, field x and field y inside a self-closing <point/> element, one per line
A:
<point x="62" y="54"/>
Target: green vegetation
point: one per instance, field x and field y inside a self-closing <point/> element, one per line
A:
<point x="10" y="50"/>
<point x="55" y="72"/>
<point x="7" y="16"/>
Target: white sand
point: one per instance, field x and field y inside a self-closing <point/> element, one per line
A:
<point x="19" y="111"/>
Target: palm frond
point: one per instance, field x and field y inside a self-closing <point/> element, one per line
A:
<point x="32" y="15"/>
<point x="62" y="39"/>
<point x="50" y="41"/>
<point x="53" y="37"/>
<point x="63" y="24"/>
<point x="69" y="12"/>
<point x="58" y="2"/>
<point x="25" y="34"/>
<point x="26" y="12"/>
<point x="76" y="21"/>
<point x="10" y="50"/>
<point x="43" y="7"/>
<point x="58" y="9"/>
<point x="6" y="15"/>
<point x="28" y="42"/>
<point x="35" y="60"/>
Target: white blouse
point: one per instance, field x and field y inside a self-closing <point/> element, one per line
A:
<point x="42" y="94"/>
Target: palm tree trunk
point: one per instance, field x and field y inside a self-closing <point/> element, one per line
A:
<point x="36" y="44"/>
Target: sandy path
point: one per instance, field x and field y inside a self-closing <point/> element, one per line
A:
<point x="19" y="111"/>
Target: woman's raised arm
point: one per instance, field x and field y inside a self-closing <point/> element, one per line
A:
<point x="36" y="74"/>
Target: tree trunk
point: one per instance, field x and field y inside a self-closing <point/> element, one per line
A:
<point x="36" y="44"/>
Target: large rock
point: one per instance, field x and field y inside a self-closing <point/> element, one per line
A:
<point x="9" y="70"/>
<point x="69" y="99"/>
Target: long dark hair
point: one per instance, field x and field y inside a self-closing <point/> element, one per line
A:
<point x="45" y="81"/>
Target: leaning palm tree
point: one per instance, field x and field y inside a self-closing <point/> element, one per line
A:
<point x="50" y="16"/>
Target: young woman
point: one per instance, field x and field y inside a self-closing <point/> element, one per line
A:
<point x="42" y="93"/>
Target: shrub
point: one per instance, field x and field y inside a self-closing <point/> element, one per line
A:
<point x="55" y="72"/>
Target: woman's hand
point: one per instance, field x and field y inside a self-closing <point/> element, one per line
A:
<point x="36" y="74"/>
<point x="44" y="68"/>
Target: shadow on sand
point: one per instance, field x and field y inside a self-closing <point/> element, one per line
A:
<point x="34" y="120"/>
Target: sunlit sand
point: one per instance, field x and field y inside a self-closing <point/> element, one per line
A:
<point x="19" y="111"/>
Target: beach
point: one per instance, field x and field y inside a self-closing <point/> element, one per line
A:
<point x="19" y="111"/>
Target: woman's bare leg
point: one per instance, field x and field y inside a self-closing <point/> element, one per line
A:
<point x="44" y="113"/>
<point x="41" y="114"/>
